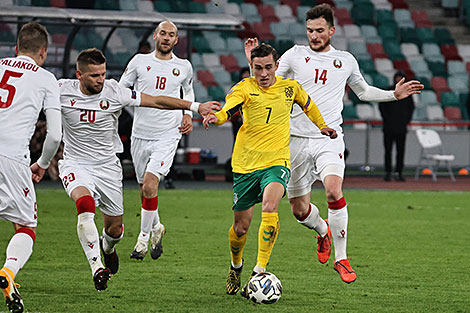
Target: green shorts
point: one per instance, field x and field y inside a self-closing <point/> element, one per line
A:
<point x="248" y="188"/>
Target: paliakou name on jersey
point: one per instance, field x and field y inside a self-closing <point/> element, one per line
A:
<point x="26" y="88"/>
<point x="156" y="77"/>
<point x="91" y="122"/>
<point x="323" y="75"/>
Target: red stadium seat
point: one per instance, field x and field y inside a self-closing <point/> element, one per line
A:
<point x="58" y="3"/>
<point x="401" y="64"/>
<point x="206" y="78"/>
<point x="450" y="52"/>
<point x="267" y="13"/>
<point x="439" y="84"/>
<point x="399" y="4"/>
<point x="263" y="31"/>
<point x="343" y="16"/>
<point x="453" y="113"/>
<point x="376" y="50"/>
<point x="230" y="63"/>
<point x="248" y="32"/>
<point x="421" y="19"/>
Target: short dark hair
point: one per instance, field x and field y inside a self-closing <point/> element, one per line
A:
<point x="90" y="56"/>
<point x="263" y="50"/>
<point x="322" y="10"/>
<point x="32" y="37"/>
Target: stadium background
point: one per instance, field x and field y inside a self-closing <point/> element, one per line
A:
<point x="427" y="39"/>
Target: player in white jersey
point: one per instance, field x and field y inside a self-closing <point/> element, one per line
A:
<point x="25" y="89"/>
<point x="324" y="72"/>
<point x="156" y="133"/>
<point x="90" y="171"/>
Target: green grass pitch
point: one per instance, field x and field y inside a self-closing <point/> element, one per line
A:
<point x="409" y="249"/>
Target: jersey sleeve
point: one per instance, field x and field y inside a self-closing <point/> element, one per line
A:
<point x="52" y="95"/>
<point x="127" y="96"/>
<point x="284" y="63"/>
<point x="309" y="107"/>
<point x="129" y="76"/>
<point x="187" y="86"/>
<point x="356" y="75"/>
<point x="233" y="101"/>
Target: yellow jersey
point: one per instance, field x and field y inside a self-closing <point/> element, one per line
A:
<point x="263" y="139"/>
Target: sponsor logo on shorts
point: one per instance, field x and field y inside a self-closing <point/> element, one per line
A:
<point x="90" y="245"/>
<point x="72" y="102"/>
<point x="340" y="155"/>
<point x="26" y="191"/>
<point x="235" y="198"/>
<point x="134" y="94"/>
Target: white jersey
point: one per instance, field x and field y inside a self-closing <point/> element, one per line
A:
<point x="156" y="77"/>
<point x="90" y="122"/>
<point x="25" y="89"/>
<point x="324" y="76"/>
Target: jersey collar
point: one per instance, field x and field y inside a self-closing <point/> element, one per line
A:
<point x="29" y="59"/>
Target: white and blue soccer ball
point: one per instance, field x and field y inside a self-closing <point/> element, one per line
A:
<point x="264" y="288"/>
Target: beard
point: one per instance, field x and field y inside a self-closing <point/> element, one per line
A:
<point x="92" y="90"/>
<point x="322" y="47"/>
<point x="164" y="50"/>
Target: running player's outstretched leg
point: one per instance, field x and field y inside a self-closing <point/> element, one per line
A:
<point x="338" y="220"/>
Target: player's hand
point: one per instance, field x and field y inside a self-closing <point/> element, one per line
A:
<point x="403" y="90"/>
<point x="208" y="107"/>
<point x="330" y="132"/>
<point x="250" y="43"/>
<point x="209" y="119"/>
<point x="38" y="172"/>
<point x="186" y="125"/>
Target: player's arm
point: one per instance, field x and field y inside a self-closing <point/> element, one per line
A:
<point x="171" y="103"/>
<point x="51" y="143"/>
<point x="188" y="94"/>
<point x="365" y="92"/>
<point x="311" y="109"/>
<point x="233" y="103"/>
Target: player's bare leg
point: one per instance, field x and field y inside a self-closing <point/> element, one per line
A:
<point x="308" y="215"/>
<point x="88" y="235"/>
<point x="18" y="251"/>
<point x="113" y="232"/>
<point x="338" y="220"/>
<point x="150" y="220"/>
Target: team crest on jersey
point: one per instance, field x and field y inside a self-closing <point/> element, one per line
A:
<point x="289" y="91"/>
<point x="148" y="68"/>
<point x="104" y="104"/>
<point x="176" y="72"/>
<point x="337" y="63"/>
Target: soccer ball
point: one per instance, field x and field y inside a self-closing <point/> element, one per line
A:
<point x="264" y="288"/>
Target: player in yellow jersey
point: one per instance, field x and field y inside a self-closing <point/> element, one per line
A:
<point x="261" y="155"/>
